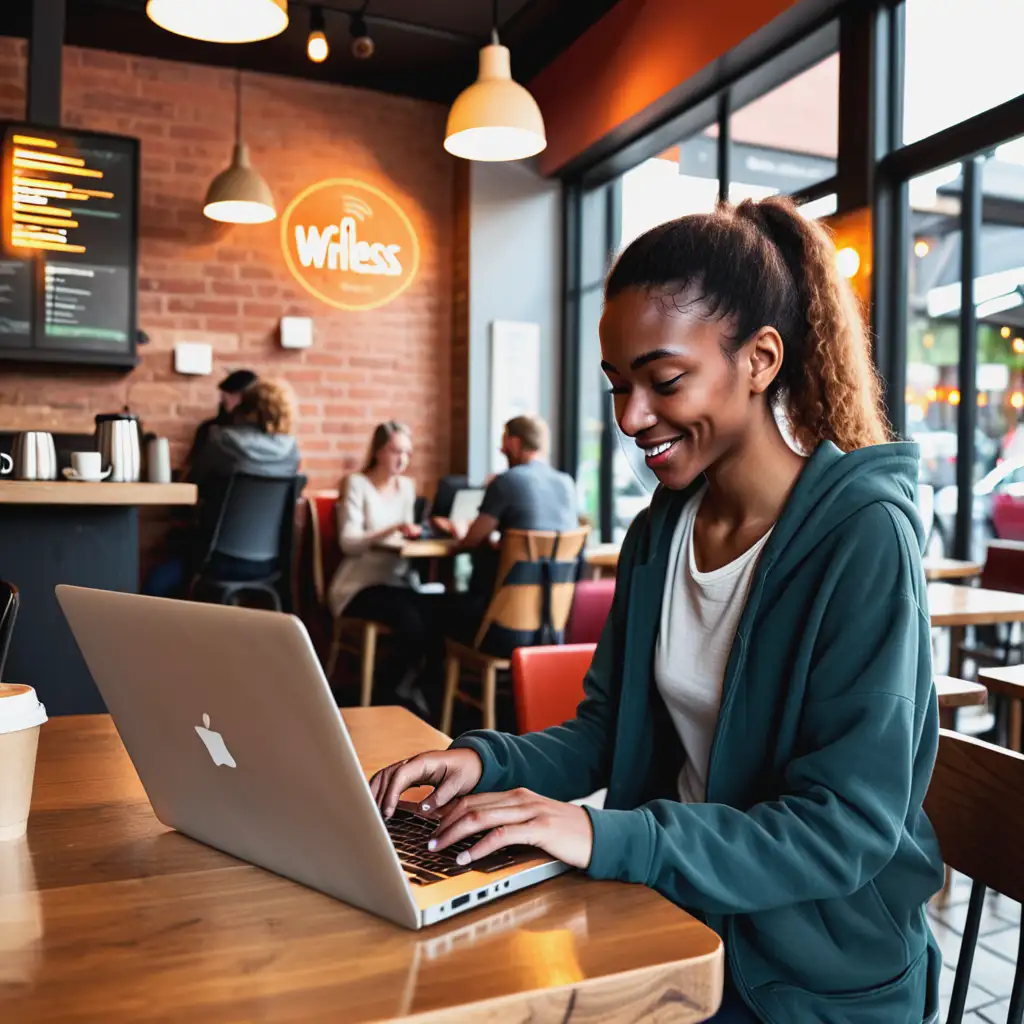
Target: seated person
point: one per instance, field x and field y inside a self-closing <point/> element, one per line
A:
<point x="231" y="389"/>
<point x="258" y="440"/>
<point x="531" y="495"/>
<point x="377" y="505"/>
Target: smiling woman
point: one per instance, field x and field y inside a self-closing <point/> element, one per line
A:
<point x="760" y="706"/>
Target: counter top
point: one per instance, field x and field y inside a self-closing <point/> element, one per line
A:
<point x="65" y="492"/>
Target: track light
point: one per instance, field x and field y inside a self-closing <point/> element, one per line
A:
<point x="316" y="46"/>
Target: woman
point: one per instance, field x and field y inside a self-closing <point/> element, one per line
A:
<point x="377" y="505"/>
<point x="760" y="705"/>
<point x="257" y="440"/>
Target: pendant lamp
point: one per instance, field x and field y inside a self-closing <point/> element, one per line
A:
<point x="239" y="195"/>
<point x="221" y="21"/>
<point x="496" y="118"/>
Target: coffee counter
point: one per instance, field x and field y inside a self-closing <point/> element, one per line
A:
<point x="63" y="492"/>
<point x="85" y="534"/>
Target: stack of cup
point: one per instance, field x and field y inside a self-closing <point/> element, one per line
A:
<point x="21" y="715"/>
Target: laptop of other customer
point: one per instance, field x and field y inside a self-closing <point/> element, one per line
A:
<point x="232" y="728"/>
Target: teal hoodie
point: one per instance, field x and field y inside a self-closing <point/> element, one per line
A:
<point x="812" y="857"/>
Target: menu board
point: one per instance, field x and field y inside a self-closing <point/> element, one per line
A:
<point x="68" y="269"/>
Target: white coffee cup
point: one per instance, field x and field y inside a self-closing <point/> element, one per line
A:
<point x="158" y="460"/>
<point x="87" y="465"/>
<point x="21" y="715"/>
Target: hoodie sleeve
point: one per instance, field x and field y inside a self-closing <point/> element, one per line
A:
<point x="573" y="759"/>
<point x="846" y="796"/>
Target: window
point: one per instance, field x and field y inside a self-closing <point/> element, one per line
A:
<point x="962" y="57"/>
<point x="787" y="139"/>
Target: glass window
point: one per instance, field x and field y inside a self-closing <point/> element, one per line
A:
<point x="592" y="386"/>
<point x="682" y="180"/>
<point x="962" y="57"/>
<point x="933" y="340"/>
<point x="786" y="139"/>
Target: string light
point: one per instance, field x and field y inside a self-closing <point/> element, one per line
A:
<point x="1017" y="400"/>
<point x="848" y="261"/>
<point x="1005" y="331"/>
<point x="928" y="340"/>
<point x="954" y="397"/>
<point x="1018" y="346"/>
<point x="316" y="45"/>
<point x="921" y="248"/>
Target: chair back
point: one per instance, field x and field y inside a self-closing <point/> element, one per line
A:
<point x="547" y="683"/>
<point x="10" y="601"/>
<point x="976" y="804"/>
<point x="257" y="519"/>
<point x="323" y="519"/>
<point x="591" y="605"/>
<point x="1004" y="567"/>
<point x="533" y="590"/>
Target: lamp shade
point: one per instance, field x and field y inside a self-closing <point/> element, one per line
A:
<point x="221" y="21"/>
<point x="495" y="118"/>
<point x="239" y="195"/>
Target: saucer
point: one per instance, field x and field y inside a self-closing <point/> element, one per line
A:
<point x="70" y="474"/>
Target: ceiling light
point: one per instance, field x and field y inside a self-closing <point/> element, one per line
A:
<point x="496" y="118"/>
<point x="362" y="45"/>
<point x="316" y="45"/>
<point x="848" y="261"/>
<point x="239" y="195"/>
<point x="221" y="21"/>
<point x="921" y="248"/>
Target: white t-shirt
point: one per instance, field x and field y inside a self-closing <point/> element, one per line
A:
<point x="699" y="615"/>
<point x="362" y="511"/>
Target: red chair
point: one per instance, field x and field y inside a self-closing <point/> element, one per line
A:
<point x="547" y="683"/>
<point x="355" y="636"/>
<point x="590" y="608"/>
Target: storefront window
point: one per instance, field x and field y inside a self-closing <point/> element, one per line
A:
<point x="961" y="59"/>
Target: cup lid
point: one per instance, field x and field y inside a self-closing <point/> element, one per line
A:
<point x="19" y="708"/>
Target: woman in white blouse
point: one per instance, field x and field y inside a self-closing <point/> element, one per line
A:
<point x="377" y="505"/>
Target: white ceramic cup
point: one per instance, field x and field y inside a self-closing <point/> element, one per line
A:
<point x="87" y="465"/>
<point x="158" y="461"/>
<point x="21" y="715"/>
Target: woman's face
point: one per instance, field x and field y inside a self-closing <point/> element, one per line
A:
<point x="676" y="392"/>
<point x="395" y="456"/>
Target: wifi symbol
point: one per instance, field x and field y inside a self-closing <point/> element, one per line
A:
<point x="355" y="207"/>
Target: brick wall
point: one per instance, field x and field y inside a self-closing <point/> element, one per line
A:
<point x="228" y="285"/>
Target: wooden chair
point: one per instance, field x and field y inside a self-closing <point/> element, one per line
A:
<point x="547" y="683"/>
<point x="533" y="593"/>
<point x="1004" y="570"/>
<point x="1007" y="684"/>
<point x="349" y="635"/>
<point x="976" y="805"/>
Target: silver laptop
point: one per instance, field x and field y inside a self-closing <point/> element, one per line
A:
<point x="230" y="723"/>
<point x="466" y="505"/>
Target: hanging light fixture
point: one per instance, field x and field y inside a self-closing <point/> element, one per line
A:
<point x="362" y="42"/>
<point x="495" y="118"/>
<point x="221" y="21"/>
<point x="239" y="195"/>
<point x="316" y="45"/>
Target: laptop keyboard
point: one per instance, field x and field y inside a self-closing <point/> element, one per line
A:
<point x="410" y="834"/>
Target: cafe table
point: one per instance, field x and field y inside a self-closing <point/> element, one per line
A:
<point x="106" y="915"/>
<point x="956" y="693"/>
<point x="959" y="607"/>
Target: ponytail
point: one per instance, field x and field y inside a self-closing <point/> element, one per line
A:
<point x="762" y="264"/>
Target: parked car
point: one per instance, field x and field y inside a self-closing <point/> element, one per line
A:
<point x="997" y="507"/>
<point x="938" y="455"/>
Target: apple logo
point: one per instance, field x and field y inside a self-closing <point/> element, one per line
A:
<point x="215" y="744"/>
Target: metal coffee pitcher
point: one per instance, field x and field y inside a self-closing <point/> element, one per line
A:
<point x="35" y="456"/>
<point x="117" y="441"/>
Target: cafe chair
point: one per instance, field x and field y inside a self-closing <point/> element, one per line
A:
<point x="999" y="644"/>
<point x="250" y="549"/>
<point x="591" y="605"/>
<point x="974" y="802"/>
<point x="532" y="596"/>
<point x="10" y="602"/>
<point x="349" y="635"/>
<point x="547" y="683"/>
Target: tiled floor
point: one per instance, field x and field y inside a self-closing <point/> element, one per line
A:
<point x="988" y="997"/>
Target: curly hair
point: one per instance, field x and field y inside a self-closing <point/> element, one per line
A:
<point x="762" y="264"/>
<point x="268" y="405"/>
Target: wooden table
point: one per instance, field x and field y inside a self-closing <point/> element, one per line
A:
<point x="105" y="915"/>
<point x="956" y="693"/>
<point x="959" y="607"/>
<point x="1007" y="681"/>
<point x="950" y="569"/>
<point x="603" y="559"/>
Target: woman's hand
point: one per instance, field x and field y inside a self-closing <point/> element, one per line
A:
<point x="450" y="772"/>
<point x="517" y="818"/>
<point x="410" y="531"/>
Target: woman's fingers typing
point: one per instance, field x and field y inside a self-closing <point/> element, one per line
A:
<point x="451" y="772"/>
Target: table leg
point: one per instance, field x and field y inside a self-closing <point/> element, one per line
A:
<point x="1014" y="731"/>
<point x="956" y="656"/>
<point x="947" y="718"/>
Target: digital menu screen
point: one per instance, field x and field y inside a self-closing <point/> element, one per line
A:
<point x="68" y="272"/>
